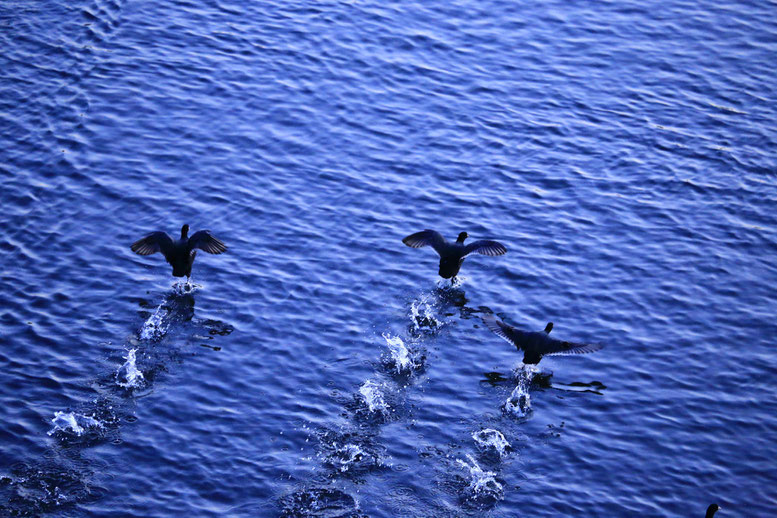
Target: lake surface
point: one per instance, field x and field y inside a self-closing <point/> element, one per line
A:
<point x="624" y="152"/>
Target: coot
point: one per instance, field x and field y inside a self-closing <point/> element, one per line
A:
<point x="535" y="345"/>
<point x="453" y="254"/>
<point x="180" y="254"/>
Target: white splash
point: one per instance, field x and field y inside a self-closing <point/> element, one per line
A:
<point x="422" y="313"/>
<point x="399" y="353"/>
<point x="128" y="375"/>
<point x="73" y="423"/>
<point x="519" y="402"/>
<point x="373" y="397"/>
<point x="488" y="439"/>
<point x="481" y="483"/>
<point x="346" y="456"/>
<point x="155" y="327"/>
<point x="526" y="370"/>
<point x="447" y="284"/>
<point x="185" y="288"/>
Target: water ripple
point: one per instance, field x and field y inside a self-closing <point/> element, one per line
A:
<point x="622" y="153"/>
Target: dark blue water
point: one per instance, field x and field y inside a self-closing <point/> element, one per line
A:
<point x="624" y="152"/>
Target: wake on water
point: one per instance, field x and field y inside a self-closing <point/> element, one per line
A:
<point x="172" y="307"/>
<point x="42" y="486"/>
<point x="127" y="376"/>
<point x="348" y="453"/>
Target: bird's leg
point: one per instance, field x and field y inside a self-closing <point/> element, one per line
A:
<point x="188" y="283"/>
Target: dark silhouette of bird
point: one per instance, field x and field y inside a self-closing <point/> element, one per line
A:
<point x="453" y="254"/>
<point x="180" y="254"/>
<point x="535" y="345"/>
<point x="711" y="510"/>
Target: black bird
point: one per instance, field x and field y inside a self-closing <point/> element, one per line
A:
<point x="453" y="254"/>
<point x="536" y="345"/>
<point x="711" y="510"/>
<point x="180" y="254"/>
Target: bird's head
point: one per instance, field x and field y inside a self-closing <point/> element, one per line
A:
<point x="711" y="510"/>
<point x="462" y="237"/>
<point x="184" y="231"/>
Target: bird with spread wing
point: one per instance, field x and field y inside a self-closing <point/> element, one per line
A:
<point x="452" y="255"/>
<point x="534" y="344"/>
<point x="179" y="254"/>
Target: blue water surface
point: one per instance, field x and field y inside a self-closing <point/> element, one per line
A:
<point x="624" y="152"/>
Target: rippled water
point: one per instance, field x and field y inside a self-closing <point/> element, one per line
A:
<point x="622" y="151"/>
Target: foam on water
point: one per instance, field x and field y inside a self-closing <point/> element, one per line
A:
<point x="128" y="375"/>
<point x="73" y="423"/>
<point x="490" y="439"/>
<point x="482" y="484"/>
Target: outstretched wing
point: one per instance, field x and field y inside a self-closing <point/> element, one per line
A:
<point x="485" y="247"/>
<point x="560" y="348"/>
<point x="502" y="330"/>
<point x="426" y="237"/>
<point x="205" y="241"/>
<point x="153" y="243"/>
